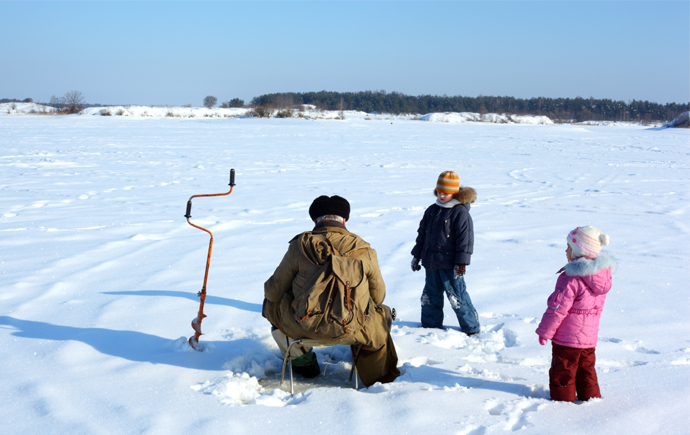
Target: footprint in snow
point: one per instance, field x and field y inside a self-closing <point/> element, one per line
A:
<point x="683" y="360"/>
<point x="495" y="409"/>
<point x="610" y="365"/>
<point x="248" y="211"/>
<point x="639" y="349"/>
<point x="635" y="347"/>
<point x="443" y="339"/>
<point x="510" y="338"/>
<point x="515" y="411"/>
<point x="473" y="430"/>
<point x="494" y="328"/>
<point x="421" y="361"/>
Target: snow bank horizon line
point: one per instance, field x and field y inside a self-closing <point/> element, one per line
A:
<point x="197" y="112"/>
<point x="310" y="113"/>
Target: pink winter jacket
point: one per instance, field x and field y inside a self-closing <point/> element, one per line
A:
<point x="573" y="309"/>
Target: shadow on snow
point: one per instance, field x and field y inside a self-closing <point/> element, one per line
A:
<point x="141" y="347"/>
<point x="133" y="345"/>
<point x="442" y="378"/>
<point x="210" y="299"/>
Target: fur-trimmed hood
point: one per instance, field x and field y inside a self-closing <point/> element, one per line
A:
<point x="589" y="270"/>
<point x="584" y="266"/>
<point x="466" y="195"/>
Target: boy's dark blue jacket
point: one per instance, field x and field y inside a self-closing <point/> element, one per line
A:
<point x="446" y="235"/>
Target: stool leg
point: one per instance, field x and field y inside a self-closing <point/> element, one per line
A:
<point x="287" y="355"/>
<point x="282" y="373"/>
<point x="287" y="360"/>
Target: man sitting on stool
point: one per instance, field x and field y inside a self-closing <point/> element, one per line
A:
<point x="374" y="352"/>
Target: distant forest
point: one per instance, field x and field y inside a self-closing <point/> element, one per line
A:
<point x="565" y="109"/>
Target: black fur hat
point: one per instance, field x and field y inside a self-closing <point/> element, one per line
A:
<point x="324" y="205"/>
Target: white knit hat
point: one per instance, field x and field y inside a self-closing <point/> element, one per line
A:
<point x="586" y="241"/>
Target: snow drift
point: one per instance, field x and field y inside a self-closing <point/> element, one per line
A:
<point x="682" y="120"/>
<point x="494" y="118"/>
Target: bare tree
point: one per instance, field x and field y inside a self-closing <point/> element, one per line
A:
<point x="210" y="101"/>
<point x="283" y="101"/>
<point x="56" y="102"/>
<point x="341" y="108"/>
<point x="73" y="101"/>
<point x="264" y="111"/>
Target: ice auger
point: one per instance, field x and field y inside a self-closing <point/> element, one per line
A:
<point x="196" y="323"/>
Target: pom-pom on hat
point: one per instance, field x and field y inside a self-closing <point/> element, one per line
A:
<point x="448" y="182"/>
<point x="586" y="241"/>
<point x="323" y="205"/>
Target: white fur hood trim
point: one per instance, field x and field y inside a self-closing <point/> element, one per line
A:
<point x="585" y="267"/>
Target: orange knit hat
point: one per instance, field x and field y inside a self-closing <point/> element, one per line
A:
<point x="448" y="182"/>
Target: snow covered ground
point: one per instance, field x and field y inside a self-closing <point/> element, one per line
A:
<point x="308" y="112"/>
<point x="24" y="109"/>
<point x="100" y="272"/>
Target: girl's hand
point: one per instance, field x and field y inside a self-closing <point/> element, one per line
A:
<point x="415" y="264"/>
<point x="458" y="271"/>
<point x="542" y="340"/>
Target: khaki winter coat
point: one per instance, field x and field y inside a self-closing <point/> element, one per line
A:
<point x="300" y="263"/>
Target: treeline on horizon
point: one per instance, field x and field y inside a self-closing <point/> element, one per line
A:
<point x="566" y="109"/>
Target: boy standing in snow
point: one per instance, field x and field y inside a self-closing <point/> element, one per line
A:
<point x="571" y="320"/>
<point x="445" y="240"/>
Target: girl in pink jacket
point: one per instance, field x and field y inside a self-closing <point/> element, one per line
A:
<point x="571" y="320"/>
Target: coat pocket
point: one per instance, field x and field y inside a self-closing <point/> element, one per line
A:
<point x="555" y="300"/>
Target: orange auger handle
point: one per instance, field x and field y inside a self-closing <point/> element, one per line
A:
<point x="196" y="322"/>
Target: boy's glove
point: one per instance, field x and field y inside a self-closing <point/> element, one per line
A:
<point x="542" y="340"/>
<point x="458" y="271"/>
<point x="415" y="264"/>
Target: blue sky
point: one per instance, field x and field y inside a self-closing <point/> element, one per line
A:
<point x="160" y="53"/>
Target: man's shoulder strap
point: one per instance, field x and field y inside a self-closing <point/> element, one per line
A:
<point x="306" y="241"/>
<point x="356" y="252"/>
<point x="351" y="253"/>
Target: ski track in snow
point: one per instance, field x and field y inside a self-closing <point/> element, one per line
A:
<point x="100" y="273"/>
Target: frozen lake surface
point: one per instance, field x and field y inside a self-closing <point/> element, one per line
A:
<point x="100" y="272"/>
